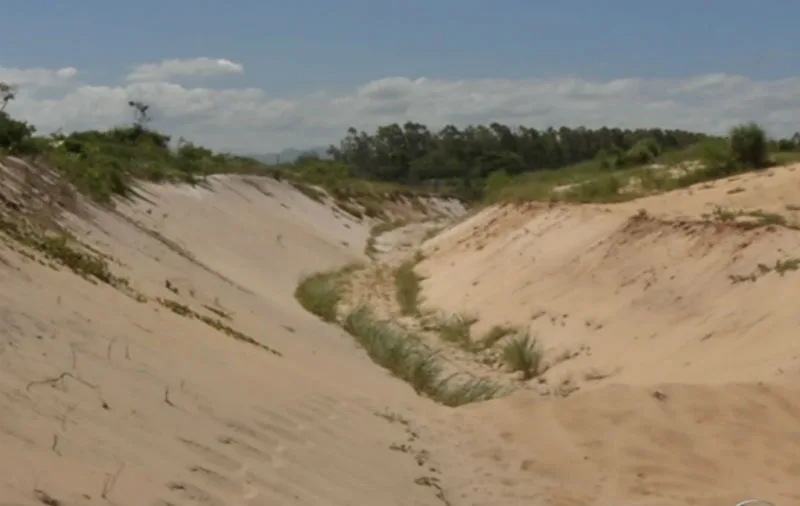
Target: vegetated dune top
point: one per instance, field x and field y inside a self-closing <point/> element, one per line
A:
<point x="103" y="395"/>
<point x="679" y="355"/>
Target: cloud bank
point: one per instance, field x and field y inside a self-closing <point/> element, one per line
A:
<point x="250" y="120"/>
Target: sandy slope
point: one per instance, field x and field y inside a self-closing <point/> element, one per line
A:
<point x="155" y="408"/>
<point x="627" y="306"/>
<point x="685" y="381"/>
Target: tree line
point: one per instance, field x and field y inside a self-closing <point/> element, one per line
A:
<point x="411" y="153"/>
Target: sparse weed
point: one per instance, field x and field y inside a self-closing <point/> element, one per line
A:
<point x="63" y="249"/>
<point x="494" y="335"/>
<point x="187" y="312"/>
<point x="523" y="354"/>
<point x="781" y="266"/>
<point x="466" y="391"/>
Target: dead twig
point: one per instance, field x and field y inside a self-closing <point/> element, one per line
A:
<point x="166" y="398"/>
<point x="74" y="353"/>
<point x="54" y="381"/>
<point x="111" y="480"/>
<point x="54" y="447"/>
<point x="45" y="498"/>
<point x="110" y="347"/>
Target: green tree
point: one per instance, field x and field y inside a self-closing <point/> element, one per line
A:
<point x="748" y="144"/>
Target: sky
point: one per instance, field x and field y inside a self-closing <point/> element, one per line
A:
<point x="259" y="76"/>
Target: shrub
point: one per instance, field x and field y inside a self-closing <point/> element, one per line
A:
<point x="748" y="145"/>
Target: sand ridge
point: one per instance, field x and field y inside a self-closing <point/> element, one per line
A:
<point x="106" y="399"/>
<point x="670" y="327"/>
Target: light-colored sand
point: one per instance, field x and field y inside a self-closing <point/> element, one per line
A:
<point x="627" y="309"/>
<point x="156" y="408"/>
<point x="686" y="381"/>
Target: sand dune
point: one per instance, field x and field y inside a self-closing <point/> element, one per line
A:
<point x="106" y="396"/>
<point x="626" y="303"/>
<point x="676" y="352"/>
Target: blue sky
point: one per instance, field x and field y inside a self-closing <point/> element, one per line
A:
<point x="292" y="49"/>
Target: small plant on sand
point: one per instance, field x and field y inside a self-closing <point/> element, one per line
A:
<point x="784" y="266"/>
<point x="407" y="288"/>
<point x="523" y="354"/>
<point x="183" y="310"/>
<point x="466" y="391"/>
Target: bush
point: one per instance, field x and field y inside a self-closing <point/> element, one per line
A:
<point x="15" y="136"/>
<point x="644" y="151"/>
<point x="748" y="145"/>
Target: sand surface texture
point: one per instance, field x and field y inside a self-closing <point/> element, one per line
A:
<point x="670" y="380"/>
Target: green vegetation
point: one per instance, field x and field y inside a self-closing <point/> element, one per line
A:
<point x="65" y="250"/>
<point x="478" y="162"/>
<point x="753" y="219"/>
<point x="321" y="293"/>
<point x="495" y="335"/>
<point x="600" y="180"/>
<point x="454" y="329"/>
<point x="407" y="288"/>
<point x="187" y="312"/>
<point x="404" y="356"/>
<point x="523" y="354"/>
<point x="781" y="266"/>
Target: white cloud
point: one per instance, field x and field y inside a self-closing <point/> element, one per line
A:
<point x="247" y="119"/>
<point x="37" y="77"/>
<point x="195" y="67"/>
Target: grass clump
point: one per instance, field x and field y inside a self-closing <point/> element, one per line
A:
<point x="407" y="288"/>
<point x="403" y="354"/>
<point x="320" y="294"/>
<point x="457" y="329"/>
<point x="395" y="350"/>
<point x="522" y="353"/>
<point x="466" y="392"/>
<point x="494" y="335"/>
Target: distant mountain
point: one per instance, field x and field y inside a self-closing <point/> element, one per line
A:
<point x="289" y="155"/>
